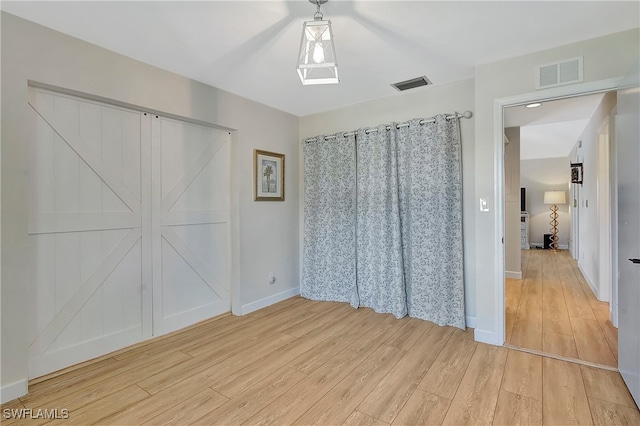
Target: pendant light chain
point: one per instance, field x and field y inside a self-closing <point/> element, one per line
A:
<point x="318" y="15"/>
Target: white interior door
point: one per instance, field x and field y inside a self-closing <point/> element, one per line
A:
<point x="128" y="225"/>
<point x="628" y="154"/>
<point x="191" y="223"/>
<point x="86" y="283"/>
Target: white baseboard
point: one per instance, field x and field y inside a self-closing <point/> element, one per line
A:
<point x="514" y="275"/>
<point x="13" y="390"/>
<point x="488" y="337"/>
<point x="541" y="245"/>
<point x="588" y="280"/>
<point x="267" y="301"/>
<point x="470" y="321"/>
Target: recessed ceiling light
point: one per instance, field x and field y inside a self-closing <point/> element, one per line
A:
<point x="534" y="105"/>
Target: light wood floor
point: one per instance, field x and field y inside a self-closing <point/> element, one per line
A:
<point x="303" y="362"/>
<point x="554" y="310"/>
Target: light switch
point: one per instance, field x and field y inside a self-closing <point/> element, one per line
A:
<point x="484" y="204"/>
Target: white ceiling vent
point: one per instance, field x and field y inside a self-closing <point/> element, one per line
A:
<point x="411" y="84"/>
<point x="559" y="73"/>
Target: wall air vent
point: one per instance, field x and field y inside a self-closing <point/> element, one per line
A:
<point x="411" y="84"/>
<point x="559" y="73"/>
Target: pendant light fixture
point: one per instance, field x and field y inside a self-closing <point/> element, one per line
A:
<point x="317" y="56"/>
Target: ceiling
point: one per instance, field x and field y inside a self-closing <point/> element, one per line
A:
<point x="552" y="129"/>
<point x="250" y="47"/>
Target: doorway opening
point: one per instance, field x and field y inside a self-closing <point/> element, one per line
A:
<point x="557" y="302"/>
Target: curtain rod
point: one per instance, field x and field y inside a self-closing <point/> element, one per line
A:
<point x="466" y="114"/>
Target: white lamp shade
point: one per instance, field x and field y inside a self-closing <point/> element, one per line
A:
<point x="317" y="56"/>
<point x="555" y="197"/>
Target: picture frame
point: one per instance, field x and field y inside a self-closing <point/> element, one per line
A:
<point x="577" y="173"/>
<point x="268" y="176"/>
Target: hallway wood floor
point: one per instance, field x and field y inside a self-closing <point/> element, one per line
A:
<point x="304" y="362"/>
<point x="552" y="309"/>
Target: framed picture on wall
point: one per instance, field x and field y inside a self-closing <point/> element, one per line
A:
<point x="576" y="173"/>
<point x="268" y="176"/>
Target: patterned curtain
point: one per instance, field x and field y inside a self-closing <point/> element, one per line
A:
<point x="329" y="241"/>
<point x="398" y="249"/>
<point x="379" y="245"/>
<point x="430" y="182"/>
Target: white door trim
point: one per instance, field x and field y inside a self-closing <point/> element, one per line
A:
<point x="604" y="213"/>
<point x="498" y="183"/>
<point x="613" y="306"/>
<point x="575" y="217"/>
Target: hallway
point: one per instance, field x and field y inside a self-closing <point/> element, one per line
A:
<point x="553" y="310"/>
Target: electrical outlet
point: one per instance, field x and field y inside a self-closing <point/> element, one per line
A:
<point x="272" y="278"/>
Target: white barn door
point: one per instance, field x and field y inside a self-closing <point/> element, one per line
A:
<point x="191" y="223"/>
<point x="86" y="283"/>
<point x="128" y="228"/>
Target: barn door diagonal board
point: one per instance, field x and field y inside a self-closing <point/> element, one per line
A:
<point x="88" y="288"/>
<point x="86" y="154"/>
<point x="193" y="171"/>
<point x="196" y="264"/>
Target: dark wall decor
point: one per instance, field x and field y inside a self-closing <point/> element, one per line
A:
<point x="576" y="173"/>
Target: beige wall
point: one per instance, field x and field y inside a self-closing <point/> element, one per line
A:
<point x="33" y="52"/>
<point x="604" y="58"/>
<point x="512" y="203"/>
<point x="589" y="226"/>
<point x="419" y="103"/>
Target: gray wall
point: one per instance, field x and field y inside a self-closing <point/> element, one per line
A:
<point x="33" y="52"/>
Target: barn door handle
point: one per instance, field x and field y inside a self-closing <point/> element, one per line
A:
<point x="635" y="260"/>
